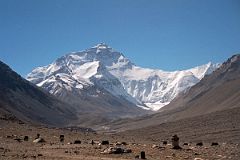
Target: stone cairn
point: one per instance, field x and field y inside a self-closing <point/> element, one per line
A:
<point x="142" y="155"/>
<point x="61" y="138"/>
<point x="175" y="142"/>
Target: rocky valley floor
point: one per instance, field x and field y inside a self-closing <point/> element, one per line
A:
<point x="13" y="146"/>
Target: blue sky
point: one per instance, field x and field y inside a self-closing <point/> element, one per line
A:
<point x="164" y="34"/>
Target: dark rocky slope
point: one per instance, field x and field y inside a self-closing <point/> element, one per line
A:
<point x="24" y="101"/>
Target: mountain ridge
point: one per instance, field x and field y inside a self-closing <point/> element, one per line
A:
<point x="147" y="88"/>
<point x="217" y="92"/>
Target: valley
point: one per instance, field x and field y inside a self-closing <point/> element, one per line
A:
<point x="119" y="80"/>
<point x="206" y="129"/>
<point x="98" y="118"/>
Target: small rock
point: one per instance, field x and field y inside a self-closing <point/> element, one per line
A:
<point x="18" y="139"/>
<point x="39" y="140"/>
<point x="39" y="155"/>
<point x="20" y="122"/>
<point x="9" y="136"/>
<point x="113" y="150"/>
<point x="214" y="144"/>
<point x="124" y="143"/>
<point x="189" y="149"/>
<point x="165" y="142"/>
<point x="198" y="159"/>
<point x="77" y="142"/>
<point x="118" y="151"/>
<point x="199" y="144"/>
<point x="25" y="138"/>
<point x="127" y="151"/>
<point x="169" y="145"/>
<point x="137" y="157"/>
<point x="161" y="148"/>
<point x="222" y="157"/>
<point x="118" y="144"/>
<point x="25" y="156"/>
<point x="104" y="142"/>
<point x="155" y="146"/>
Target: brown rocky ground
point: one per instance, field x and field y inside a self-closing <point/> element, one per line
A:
<point x="12" y="149"/>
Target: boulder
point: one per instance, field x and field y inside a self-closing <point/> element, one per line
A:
<point x="39" y="140"/>
<point x="105" y="142"/>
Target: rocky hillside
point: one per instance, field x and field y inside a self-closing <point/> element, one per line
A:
<point x="25" y="101"/>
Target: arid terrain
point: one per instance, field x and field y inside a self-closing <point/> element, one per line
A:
<point x="150" y="140"/>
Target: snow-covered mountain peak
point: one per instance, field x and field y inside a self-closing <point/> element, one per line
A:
<point x="102" y="46"/>
<point x="103" y="67"/>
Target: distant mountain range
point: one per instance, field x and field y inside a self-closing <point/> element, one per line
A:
<point x="215" y="93"/>
<point x="100" y="71"/>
